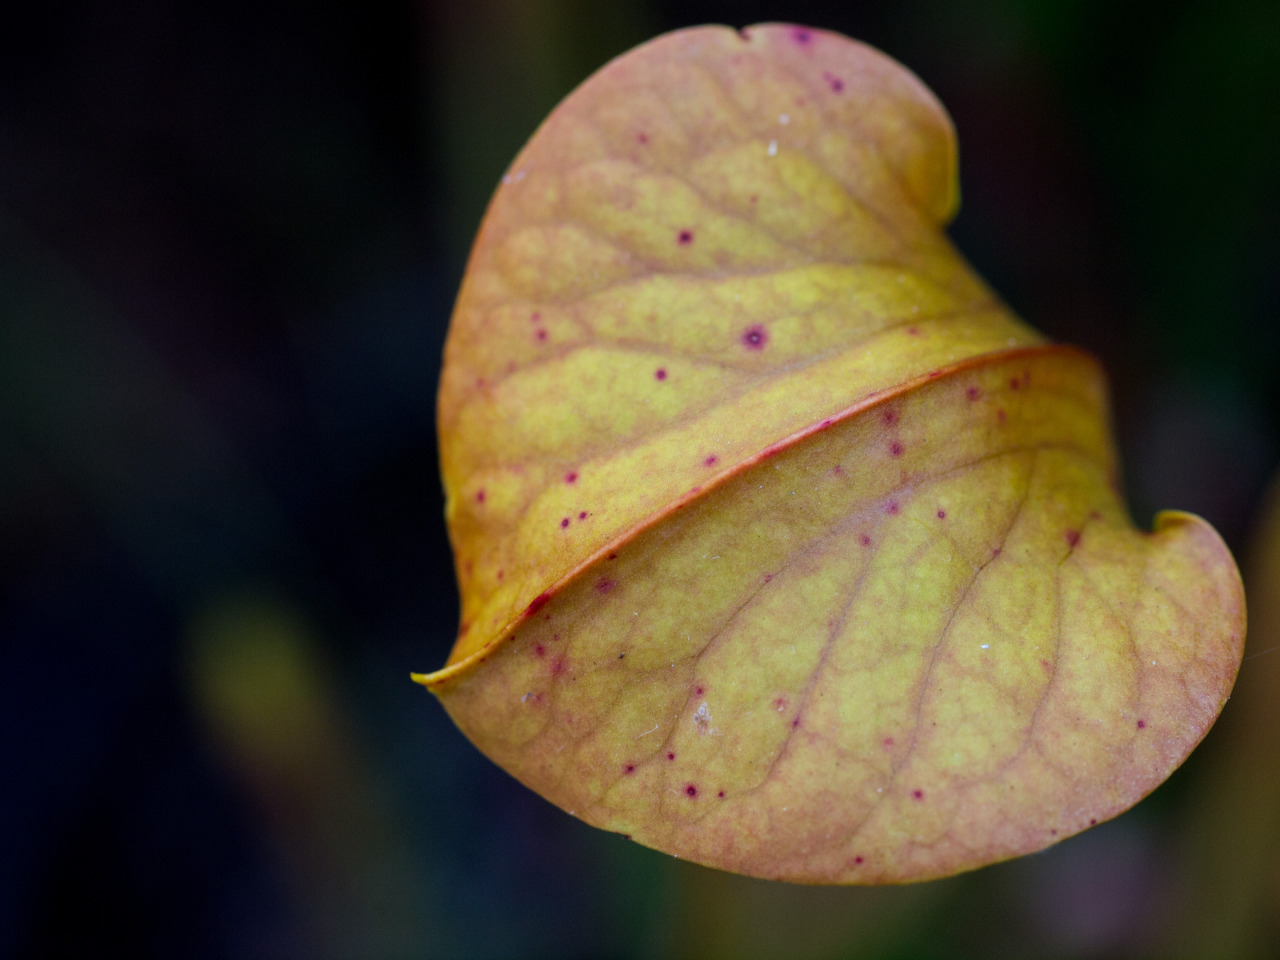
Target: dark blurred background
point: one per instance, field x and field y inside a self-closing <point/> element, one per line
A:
<point x="230" y="236"/>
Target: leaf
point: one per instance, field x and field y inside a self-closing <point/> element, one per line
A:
<point x="783" y="545"/>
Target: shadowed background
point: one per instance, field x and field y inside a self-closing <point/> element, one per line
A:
<point x="229" y="243"/>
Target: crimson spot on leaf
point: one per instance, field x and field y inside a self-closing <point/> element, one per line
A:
<point x="755" y="337"/>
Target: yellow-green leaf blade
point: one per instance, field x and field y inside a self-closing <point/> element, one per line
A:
<point x="919" y="640"/>
<point x="783" y="545"/>
<point x="718" y="240"/>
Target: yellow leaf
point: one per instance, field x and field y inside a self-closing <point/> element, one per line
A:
<point x="784" y="546"/>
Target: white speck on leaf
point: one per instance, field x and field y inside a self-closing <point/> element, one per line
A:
<point x="702" y="719"/>
<point x="773" y="148"/>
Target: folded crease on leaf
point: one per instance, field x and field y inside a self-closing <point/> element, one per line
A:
<point x="783" y="545"/>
